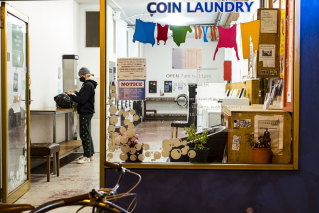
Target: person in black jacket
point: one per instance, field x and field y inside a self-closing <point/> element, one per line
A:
<point x="85" y="107"/>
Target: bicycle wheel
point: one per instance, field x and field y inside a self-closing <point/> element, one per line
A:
<point x="105" y="207"/>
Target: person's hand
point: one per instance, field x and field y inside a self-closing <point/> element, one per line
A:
<point x="70" y="92"/>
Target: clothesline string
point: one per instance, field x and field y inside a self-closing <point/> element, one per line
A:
<point x="191" y="25"/>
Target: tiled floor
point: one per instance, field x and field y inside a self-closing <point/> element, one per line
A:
<point x="154" y="132"/>
<point x="74" y="179"/>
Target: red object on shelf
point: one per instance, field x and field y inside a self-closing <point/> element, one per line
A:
<point x="227" y="70"/>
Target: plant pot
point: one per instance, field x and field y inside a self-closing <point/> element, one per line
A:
<point x="137" y="154"/>
<point x="201" y="155"/>
<point x="262" y="155"/>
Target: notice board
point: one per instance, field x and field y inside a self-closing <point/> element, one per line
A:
<point x="131" y="68"/>
<point x="269" y="44"/>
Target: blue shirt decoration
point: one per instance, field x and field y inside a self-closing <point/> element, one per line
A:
<point x="144" y="32"/>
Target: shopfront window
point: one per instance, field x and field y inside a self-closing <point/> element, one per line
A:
<point x="192" y="83"/>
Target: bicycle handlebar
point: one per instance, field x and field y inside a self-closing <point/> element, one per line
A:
<point x="116" y="166"/>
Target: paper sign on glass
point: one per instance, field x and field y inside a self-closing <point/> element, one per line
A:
<point x="187" y="58"/>
<point x="268" y="23"/>
<point x="267" y="53"/>
<point x="131" y="68"/>
<point x="272" y="128"/>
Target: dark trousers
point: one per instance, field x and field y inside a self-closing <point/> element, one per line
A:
<point x="85" y="134"/>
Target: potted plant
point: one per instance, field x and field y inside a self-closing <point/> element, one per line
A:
<point x="198" y="140"/>
<point x="261" y="148"/>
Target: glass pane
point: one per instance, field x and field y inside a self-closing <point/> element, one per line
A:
<point x="16" y="102"/>
<point x="173" y="101"/>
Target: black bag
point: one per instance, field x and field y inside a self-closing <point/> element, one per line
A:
<point x="63" y="101"/>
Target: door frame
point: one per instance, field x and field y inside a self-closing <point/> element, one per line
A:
<point x="23" y="188"/>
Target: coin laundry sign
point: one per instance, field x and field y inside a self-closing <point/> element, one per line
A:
<point x="200" y="7"/>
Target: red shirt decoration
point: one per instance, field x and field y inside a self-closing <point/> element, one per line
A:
<point x="162" y="33"/>
<point x="227" y="39"/>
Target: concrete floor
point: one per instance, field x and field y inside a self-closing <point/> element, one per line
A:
<point x="78" y="179"/>
<point x="74" y="179"/>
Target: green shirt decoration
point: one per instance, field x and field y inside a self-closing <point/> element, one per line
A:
<point x="179" y="33"/>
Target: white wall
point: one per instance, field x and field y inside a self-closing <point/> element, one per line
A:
<point x="159" y="65"/>
<point x="159" y="68"/>
<point x="89" y="57"/>
<point x="57" y="28"/>
<point x="51" y="36"/>
<point x="132" y="48"/>
<point x="121" y="39"/>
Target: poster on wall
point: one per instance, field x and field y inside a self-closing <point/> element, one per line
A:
<point x="186" y="58"/>
<point x="131" y="89"/>
<point x="267" y="53"/>
<point x="17" y="46"/>
<point x="269" y="20"/>
<point x="152" y="86"/>
<point x="168" y="86"/>
<point x="131" y="68"/>
<point x="271" y="128"/>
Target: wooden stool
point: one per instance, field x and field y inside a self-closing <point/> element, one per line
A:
<point x="178" y="124"/>
<point x="46" y="150"/>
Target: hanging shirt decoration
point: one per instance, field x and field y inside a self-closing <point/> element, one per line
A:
<point x="144" y="32"/>
<point x="251" y="29"/>
<point x="213" y="33"/>
<point x="179" y="33"/>
<point x="198" y="32"/>
<point x="162" y="33"/>
<point x="227" y="39"/>
<point x="205" y="29"/>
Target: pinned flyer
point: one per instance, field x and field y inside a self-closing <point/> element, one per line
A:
<point x="131" y="89"/>
<point x="236" y="142"/>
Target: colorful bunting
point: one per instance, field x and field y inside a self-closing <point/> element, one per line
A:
<point x="227" y="39"/>
<point x="213" y="33"/>
<point x="144" y="32"/>
<point x="179" y="33"/>
<point x="198" y="32"/>
<point x="162" y="33"/>
<point x="251" y="29"/>
<point x="205" y="29"/>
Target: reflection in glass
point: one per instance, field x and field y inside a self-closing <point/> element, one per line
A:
<point x="16" y="104"/>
